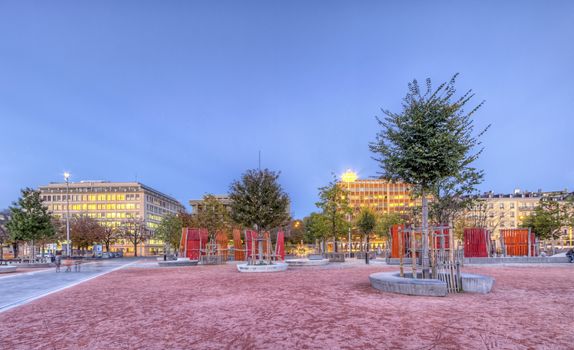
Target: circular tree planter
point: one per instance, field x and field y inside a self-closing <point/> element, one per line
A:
<point x="306" y="262"/>
<point x="178" y="262"/>
<point x="393" y="283"/>
<point x="276" y="267"/>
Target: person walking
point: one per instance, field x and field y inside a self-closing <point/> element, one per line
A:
<point x="58" y="261"/>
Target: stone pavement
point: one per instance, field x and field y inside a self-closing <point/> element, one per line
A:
<point x="19" y="289"/>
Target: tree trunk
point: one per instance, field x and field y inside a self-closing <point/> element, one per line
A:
<point x="15" y="249"/>
<point x="367" y="250"/>
<point x="425" y="237"/>
<point x="259" y="247"/>
<point x="135" y="248"/>
<point x="401" y="251"/>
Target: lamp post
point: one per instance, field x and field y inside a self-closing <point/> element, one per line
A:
<point x="348" y="177"/>
<point x="68" y="243"/>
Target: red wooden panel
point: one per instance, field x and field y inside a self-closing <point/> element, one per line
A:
<point x="280" y="245"/>
<point x="476" y="242"/>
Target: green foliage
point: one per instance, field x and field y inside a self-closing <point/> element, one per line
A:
<point x="453" y="196"/>
<point x="169" y="230"/>
<point x="334" y="203"/>
<point x="258" y="201"/>
<point x="135" y="231"/>
<point x="30" y="219"/>
<point x="548" y="218"/>
<point x="316" y="227"/>
<point x="431" y="141"/>
<point x="386" y="222"/>
<point x="366" y="222"/>
<point x="296" y="232"/>
<point x="110" y="235"/>
<point x="213" y="216"/>
<point x="85" y="231"/>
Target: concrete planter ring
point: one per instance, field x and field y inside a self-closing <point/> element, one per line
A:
<point x="275" y="267"/>
<point x="393" y="283"/>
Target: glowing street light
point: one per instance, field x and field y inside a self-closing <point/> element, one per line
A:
<point x="349" y="176"/>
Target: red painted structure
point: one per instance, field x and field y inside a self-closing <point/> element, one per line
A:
<point x="238" y="244"/>
<point x="251" y="243"/>
<point x="222" y="241"/>
<point x="280" y="245"/>
<point x="252" y="246"/>
<point x="515" y="242"/>
<point x="395" y="231"/>
<point x="442" y="240"/>
<point x="476" y="242"/>
<point x="193" y="241"/>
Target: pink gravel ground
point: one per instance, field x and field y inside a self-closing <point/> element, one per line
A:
<point x="216" y="307"/>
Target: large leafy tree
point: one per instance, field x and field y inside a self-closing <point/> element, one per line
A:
<point x="30" y="219"/>
<point x="454" y="196"/>
<point x="431" y="141"/>
<point x="109" y="236"/>
<point x="334" y="204"/>
<point x="385" y="222"/>
<point x="135" y="231"/>
<point x="85" y="231"/>
<point x="549" y="218"/>
<point x="213" y="216"/>
<point x="259" y="202"/>
<point x="366" y="223"/>
<point x="169" y="231"/>
<point x="296" y="232"/>
<point x="316" y="227"/>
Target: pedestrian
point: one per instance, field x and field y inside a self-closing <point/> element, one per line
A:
<point x="58" y="261"/>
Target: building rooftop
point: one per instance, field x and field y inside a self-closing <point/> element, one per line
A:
<point x="102" y="183"/>
<point x="563" y="194"/>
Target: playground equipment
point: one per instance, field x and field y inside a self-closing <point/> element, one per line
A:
<point x="195" y="245"/>
<point x="261" y="256"/>
<point x="260" y="250"/>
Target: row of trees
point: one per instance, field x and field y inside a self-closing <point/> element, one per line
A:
<point x="258" y="202"/>
<point x="31" y="222"/>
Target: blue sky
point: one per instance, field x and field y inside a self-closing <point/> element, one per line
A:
<point x="182" y="95"/>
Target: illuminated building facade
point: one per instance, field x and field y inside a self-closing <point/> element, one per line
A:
<point x="379" y="195"/>
<point x="111" y="204"/>
<point x="507" y="211"/>
<point x="197" y="204"/>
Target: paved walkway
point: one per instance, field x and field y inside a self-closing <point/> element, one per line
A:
<point x="19" y="289"/>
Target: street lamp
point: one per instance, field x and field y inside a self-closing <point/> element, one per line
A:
<point x="348" y="177"/>
<point x="68" y="245"/>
